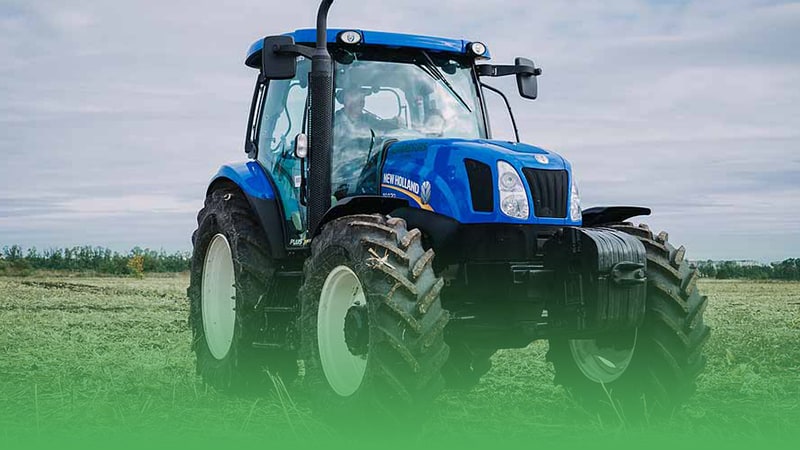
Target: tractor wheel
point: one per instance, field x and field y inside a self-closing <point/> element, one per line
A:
<point x="371" y="320"/>
<point x="231" y="273"/>
<point x="466" y="365"/>
<point x="651" y="370"/>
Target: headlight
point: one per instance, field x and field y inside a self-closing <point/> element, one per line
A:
<point x="513" y="201"/>
<point x="575" y="213"/>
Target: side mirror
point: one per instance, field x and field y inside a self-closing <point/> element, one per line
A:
<point x="526" y="78"/>
<point x="277" y="65"/>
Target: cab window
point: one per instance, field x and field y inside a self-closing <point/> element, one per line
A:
<point x="282" y="119"/>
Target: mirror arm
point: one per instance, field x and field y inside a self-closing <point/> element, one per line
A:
<point x="294" y="49"/>
<point x="508" y="105"/>
<point x="488" y="70"/>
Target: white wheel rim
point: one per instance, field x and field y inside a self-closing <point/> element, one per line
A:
<point x="602" y="364"/>
<point x="219" y="297"/>
<point x="344" y="371"/>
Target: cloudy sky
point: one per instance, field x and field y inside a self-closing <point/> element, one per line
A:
<point x="113" y="115"/>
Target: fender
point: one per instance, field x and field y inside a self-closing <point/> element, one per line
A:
<point x="360" y="204"/>
<point x="249" y="176"/>
<point x="600" y="215"/>
<point x="259" y="189"/>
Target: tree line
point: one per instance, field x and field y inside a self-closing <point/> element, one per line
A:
<point x="14" y="260"/>
<point x="788" y="269"/>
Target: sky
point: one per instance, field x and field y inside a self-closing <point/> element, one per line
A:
<point x="114" y="115"/>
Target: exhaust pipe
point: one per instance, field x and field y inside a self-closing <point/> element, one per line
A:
<point x="321" y="123"/>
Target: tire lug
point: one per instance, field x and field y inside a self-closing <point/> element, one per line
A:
<point x="680" y="253"/>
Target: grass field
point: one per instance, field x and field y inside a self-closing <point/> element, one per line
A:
<point x="101" y="356"/>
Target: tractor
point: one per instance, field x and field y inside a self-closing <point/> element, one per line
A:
<point x="378" y="245"/>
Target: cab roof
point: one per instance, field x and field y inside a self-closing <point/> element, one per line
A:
<point x="390" y="40"/>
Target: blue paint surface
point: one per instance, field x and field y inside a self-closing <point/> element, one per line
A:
<point x="390" y="40"/>
<point x="249" y="176"/>
<point x="440" y="162"/>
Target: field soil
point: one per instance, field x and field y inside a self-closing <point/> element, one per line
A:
<point x="100" y="356"/>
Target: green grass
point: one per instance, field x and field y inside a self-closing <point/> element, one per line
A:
<point x="88" y="357"/>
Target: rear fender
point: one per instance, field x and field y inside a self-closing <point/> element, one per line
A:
<point x="249" y="176"/>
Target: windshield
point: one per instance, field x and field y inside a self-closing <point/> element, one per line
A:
<point x="384" y="95"/>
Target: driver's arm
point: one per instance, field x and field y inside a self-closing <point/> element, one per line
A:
<point x="378" y="124"/>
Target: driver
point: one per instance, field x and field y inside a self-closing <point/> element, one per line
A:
<point x="353" y="121"/>
<point x="354" y="129"/>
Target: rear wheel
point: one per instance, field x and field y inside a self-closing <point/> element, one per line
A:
<point x="650" y="370"/>
<point x="231" y="273"/>
<point x="372" y="322"/>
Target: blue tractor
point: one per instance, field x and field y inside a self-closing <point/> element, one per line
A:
<point x="379" y="244"/>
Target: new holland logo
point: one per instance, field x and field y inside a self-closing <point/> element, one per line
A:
<point x="425" y="192"/>
<point x="542" y="159"/>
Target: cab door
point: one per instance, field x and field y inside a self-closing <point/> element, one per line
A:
<point x="284" y="114"/>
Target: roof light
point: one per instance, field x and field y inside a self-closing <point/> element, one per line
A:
<point x="478" y="48"/>
<point x="350" y="37"/>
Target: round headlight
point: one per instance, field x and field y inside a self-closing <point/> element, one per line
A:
<point x="508" y="181"/>
<point x="515" y="205"/>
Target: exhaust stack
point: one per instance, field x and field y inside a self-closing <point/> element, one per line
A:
<point x="321" y="122"/>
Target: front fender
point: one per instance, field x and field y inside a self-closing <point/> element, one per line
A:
<point x="360" y="204"/>
<point x="600" y="215"/>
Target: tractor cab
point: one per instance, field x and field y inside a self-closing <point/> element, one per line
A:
<point x="387" y="88"/>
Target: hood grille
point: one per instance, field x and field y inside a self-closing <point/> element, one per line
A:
<point x="481" y="185"/>
<point x="550" y="191"/>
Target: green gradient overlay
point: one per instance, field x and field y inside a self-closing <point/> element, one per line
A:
<point x="106" y="361"/>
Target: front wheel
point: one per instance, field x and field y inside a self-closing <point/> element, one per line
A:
<point x="650" y="370"/>
<point x="372" y="322"/>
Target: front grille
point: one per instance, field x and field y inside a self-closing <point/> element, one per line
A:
<point x="550" y="191"/>
<point x="480" y="185"/>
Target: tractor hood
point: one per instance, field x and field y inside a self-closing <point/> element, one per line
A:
<point x="524" y="152"/>
<point x="458" y="178"/>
